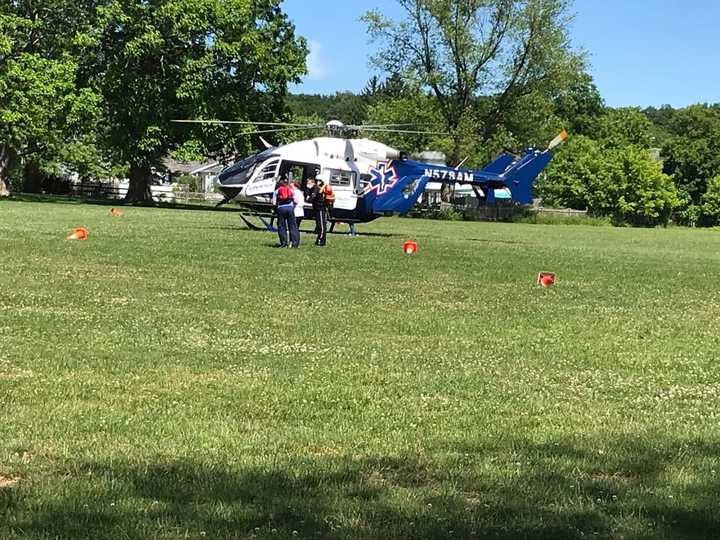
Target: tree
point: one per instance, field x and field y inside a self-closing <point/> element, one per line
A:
<point x="300" y="134"/>
<point x="532" y="121"/>
<point x="710" y="208"/>
<point x="622" y="182"/>
<point x="42" y="111"/>
<point x="576" y="169"/>
<point x="465" y="49"/>
<point x="173" y="59"/>
<point x="395" y="86"/>
<point x="622" y="127"/>
<point x="392" y="86"/>
<point x="580" y="106"/>
<point x="692" y="154"/>
<point x="348" y="108"/>
<point x="372" y="88"/>
<point x="33" y="93"/>
<point x="307" y="105"/>
<point x="646" y="196"/>
<point x="415" y="108"/>
<point x="661" y="120"/>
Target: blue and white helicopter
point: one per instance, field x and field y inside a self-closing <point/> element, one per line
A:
<point x="369" y="178"/>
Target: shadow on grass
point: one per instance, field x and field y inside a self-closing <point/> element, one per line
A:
<point x="207" y="207"/>
<point x="63" y="199"/>
<point x="369" y="234"/>
<point x="308" y="232"/>
<point x="496" y="241"/>
<point x="515" y="491"/>
<point x="38" y="198"/>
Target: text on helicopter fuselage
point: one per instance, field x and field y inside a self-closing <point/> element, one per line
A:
<point x="455" y="176"/>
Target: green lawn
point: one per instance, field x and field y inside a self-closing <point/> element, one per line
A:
<point x="175" y="376"/>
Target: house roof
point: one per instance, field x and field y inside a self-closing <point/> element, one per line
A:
<point x="190" y="167"/>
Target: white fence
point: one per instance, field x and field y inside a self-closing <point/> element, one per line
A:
<point x="160" y="193"/>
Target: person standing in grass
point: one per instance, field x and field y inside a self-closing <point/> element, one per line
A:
<point x="310" y="187"/>
<point x="351" y="224"/>
<point x="282" y="200"/>
<point x="299" y="201"/>
<point x="316" y="197"/>
<point x="329" y="194"/>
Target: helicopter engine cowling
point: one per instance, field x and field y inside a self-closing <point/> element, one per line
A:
<point x="377" y="151"/>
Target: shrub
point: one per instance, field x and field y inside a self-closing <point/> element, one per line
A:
<point x="710" y="207"/>
<point x="192" y="182"/>
<point x="624" y="183"/>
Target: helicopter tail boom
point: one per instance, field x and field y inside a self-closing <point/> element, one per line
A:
<point x="500" y="163"/>
<point x="520" y="177"/>
<point x="397" y="184"/>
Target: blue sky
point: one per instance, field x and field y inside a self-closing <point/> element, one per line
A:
<point x="641" y="52"/>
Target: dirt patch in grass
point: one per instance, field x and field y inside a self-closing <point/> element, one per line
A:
<point x="8" y="481"/>
<point x="620" y="477"/>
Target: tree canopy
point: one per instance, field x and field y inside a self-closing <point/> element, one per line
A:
<point x="139" y="65"/>
<point x="692" y="150"/>
<point x="175" y="59"/>
<point x="617" y="180"/>
<point x="478" y="58"/>
<point x="43" y="112"/>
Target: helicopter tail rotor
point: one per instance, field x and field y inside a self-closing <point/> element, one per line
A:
<point x="557" y="141"/>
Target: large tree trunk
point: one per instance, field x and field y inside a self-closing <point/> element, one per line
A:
<point x="5" y="152"/>
<point x="32" y="178"/>
<point x="139" y="188"/>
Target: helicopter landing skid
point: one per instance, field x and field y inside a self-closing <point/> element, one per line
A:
<point x="267" y="225"/>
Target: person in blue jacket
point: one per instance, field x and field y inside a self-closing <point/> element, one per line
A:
<point x="282" y="201"/>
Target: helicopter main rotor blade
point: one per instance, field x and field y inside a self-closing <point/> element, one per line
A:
<point x="241" y="122"/>
<point x="405" y="131"/>
<point x="277" y="130"/>
<point x="363" y="126"/>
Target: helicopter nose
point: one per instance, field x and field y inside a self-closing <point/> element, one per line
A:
<point x="230" y="192"/>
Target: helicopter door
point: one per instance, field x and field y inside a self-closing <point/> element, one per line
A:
<point x="343" y="184"/>
<point x="297" y="171"/>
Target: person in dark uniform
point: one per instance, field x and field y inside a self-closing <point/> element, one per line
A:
<point x="282" y="200"/>
<point x="316" y="197"/>
<point x="308" y="188"/>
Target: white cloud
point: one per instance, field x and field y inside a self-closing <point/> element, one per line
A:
<point x="317" y="69"/>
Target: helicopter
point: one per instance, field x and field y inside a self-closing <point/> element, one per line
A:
<point x="369" y="178"/>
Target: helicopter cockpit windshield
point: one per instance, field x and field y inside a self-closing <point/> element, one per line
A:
<point x="239" y="173"/>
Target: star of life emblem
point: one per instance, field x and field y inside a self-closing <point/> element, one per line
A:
<point x="384" y="177"/>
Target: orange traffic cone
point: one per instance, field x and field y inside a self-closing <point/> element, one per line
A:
<point x="115" y="212"/>
<point x="546" y="279"/>
<point x="410" y="247"/>
<point x="80" y="233"/>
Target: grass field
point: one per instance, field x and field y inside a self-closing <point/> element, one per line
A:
<point x="175" y="377"/>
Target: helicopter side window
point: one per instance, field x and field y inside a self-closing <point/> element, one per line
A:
<point x="268" y="171"/>
<point x="242" y="171"/>
<point x="341" y="178"/>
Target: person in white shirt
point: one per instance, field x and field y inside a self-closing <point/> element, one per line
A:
<point x="299" y="200"/>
